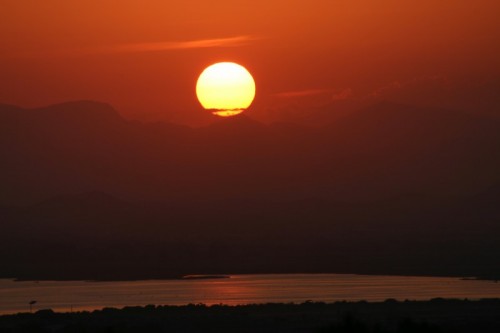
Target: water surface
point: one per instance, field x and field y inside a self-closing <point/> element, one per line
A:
<point x="239" y="289"/>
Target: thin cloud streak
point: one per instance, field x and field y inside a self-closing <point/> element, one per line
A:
<point x="303" y="93"/>
<point x="179" y="45"/>
<point x="335" y="94"/>
<point x="236" y="41"/>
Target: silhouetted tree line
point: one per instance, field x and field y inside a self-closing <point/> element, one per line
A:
<point x="433" y="316"/>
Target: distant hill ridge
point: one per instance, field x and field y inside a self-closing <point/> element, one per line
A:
<point x="77" y="111"/>
<point x="380" y="151"/>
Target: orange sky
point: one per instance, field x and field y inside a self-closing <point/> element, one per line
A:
<point x="144" y="57"/>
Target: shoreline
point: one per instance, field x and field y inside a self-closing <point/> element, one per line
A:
<point x="310" y="304"/>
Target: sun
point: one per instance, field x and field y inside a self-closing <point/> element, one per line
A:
<point x="225" y="88"/>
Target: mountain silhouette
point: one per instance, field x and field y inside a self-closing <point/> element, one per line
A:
<point x="383" y="150"/>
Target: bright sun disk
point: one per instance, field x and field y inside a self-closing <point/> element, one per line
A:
<point x="225" y="89"/>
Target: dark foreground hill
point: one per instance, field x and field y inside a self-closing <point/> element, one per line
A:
<point x="362" y="317"/>
<point x="97" y="236"/>
<point x="391" y="189"/>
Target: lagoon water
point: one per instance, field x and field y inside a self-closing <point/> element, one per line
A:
<point x="65" y="296"/>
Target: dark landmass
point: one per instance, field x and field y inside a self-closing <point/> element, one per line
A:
<point x="204" y="277"/>
<point x="437" y="315"/>
<point x="390" y="189"/>
<point x="98" y="237"/>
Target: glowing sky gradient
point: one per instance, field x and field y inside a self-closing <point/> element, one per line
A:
<point x="144" y="58"/>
